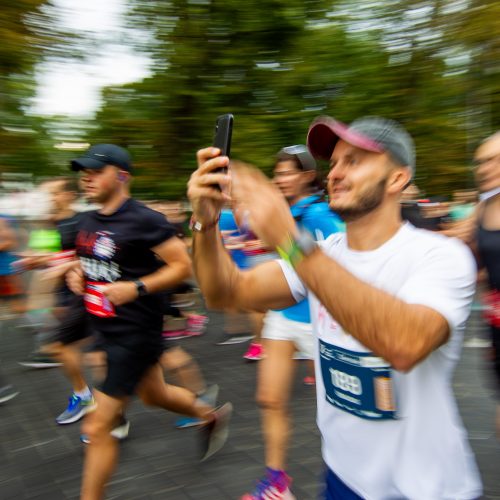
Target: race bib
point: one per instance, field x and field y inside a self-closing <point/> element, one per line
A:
<point x="95" y="301"/>
<point x="359" y="383"/>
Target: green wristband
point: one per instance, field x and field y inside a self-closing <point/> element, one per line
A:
<point x="292" y="253"/>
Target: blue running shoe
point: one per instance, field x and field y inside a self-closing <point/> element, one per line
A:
<point x="209" y="397"/>
<point x="186" y="422"/>
<point x="76" y="409"/>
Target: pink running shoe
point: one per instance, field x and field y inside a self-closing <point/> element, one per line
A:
<point x="255" y="352"/>
<point x="198" y="318"/>
<point x="276" y="486"/>
<point x="196" y="323"/>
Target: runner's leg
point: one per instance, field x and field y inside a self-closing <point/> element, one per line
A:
<point x="71" y="358"/>
<point x="275" y="377"/>
<point x="102" y="452"/>
<point x="153" y="391"/>
<point x="184" y="368"/>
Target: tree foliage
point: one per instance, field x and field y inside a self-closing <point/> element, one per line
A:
<point x="18" y="145"/>
<point x="29" y="32"/>
<point x="276" y="64"/>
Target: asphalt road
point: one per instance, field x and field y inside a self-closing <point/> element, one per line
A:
<point x="40" y="460"/>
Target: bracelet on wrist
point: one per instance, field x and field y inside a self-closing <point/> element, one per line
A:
<point x="201" y="227"/>
<point x="296" y="248"/>
<point x="290" y="252"/>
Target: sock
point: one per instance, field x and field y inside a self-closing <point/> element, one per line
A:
<point x="274" y="472"/>
<point x="278" y="476"/>
<point x="85" y="394"/>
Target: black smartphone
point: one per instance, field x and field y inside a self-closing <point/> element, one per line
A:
<point x="223" y="133"/>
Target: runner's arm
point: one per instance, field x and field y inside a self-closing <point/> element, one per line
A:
<point x="403" y="334"/>
<point x="75" y="279"/>
<point x="224" y="285"/>
<point x="60" y="271"/>
<point x="177" y="268"/>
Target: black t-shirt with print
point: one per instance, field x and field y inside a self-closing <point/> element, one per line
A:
<point x="117" y="247"/>
<point x="68" y="229"/>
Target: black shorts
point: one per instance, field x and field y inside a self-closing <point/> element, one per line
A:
<point x="127" y="364"/>
<point x="74" y="323"/>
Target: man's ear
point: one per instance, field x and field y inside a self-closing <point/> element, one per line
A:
<point x="399" y="179"/>
<point x="122" y="176"/>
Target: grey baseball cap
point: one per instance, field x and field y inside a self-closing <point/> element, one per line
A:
<point x="371" y="133"/>
<point x="301" y="153"/>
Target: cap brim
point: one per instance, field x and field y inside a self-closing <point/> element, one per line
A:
<point x="324" y="133"/>
<point x="85" y="162"/>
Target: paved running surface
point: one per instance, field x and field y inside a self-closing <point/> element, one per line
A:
<point x="40" y="460"/>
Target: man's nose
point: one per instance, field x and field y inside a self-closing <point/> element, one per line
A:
<point x="336" y="173"/>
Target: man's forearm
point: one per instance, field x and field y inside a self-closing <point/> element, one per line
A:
<point x="401" y="333"/>
<point x="166" y="277"/>
<point x="213" y="267"/>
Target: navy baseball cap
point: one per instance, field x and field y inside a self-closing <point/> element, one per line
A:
<point x="100" y="155"/>
<point x="371" y="133"/>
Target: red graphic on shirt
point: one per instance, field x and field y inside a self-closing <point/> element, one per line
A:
<point x="85" y="242"/>
<point x="325" y="321"/>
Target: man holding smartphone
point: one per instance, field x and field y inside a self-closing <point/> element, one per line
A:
<point x="388" y="306"/>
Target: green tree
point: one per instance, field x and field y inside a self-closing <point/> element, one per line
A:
<point x="19" y="150"/>
<point x="276" y="64"/>
<point x="30" y="34"/>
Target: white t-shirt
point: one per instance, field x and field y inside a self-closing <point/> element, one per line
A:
<point x="423" y="453"/>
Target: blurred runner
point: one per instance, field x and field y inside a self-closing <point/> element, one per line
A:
<point x="61" y="344"/>
<point x="288" y="332"/>
<point x="184" y="315"/>
<point x="128" y="253"/>
<point x="11" y="293"/>
<point x="44" y="242"/>
<point x="481" y="231"/>
<point x="487" y="160"/>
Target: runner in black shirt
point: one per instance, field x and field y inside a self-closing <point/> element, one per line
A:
<point x="128" y="253"/>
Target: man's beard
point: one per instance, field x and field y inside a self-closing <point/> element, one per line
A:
<point x="369" y="201"/>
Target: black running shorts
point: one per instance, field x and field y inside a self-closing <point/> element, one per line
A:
<point x="127" y="364"/>
<point x="74" y="323"/>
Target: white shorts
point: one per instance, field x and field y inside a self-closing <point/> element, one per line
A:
<point x="277" y="327"/>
